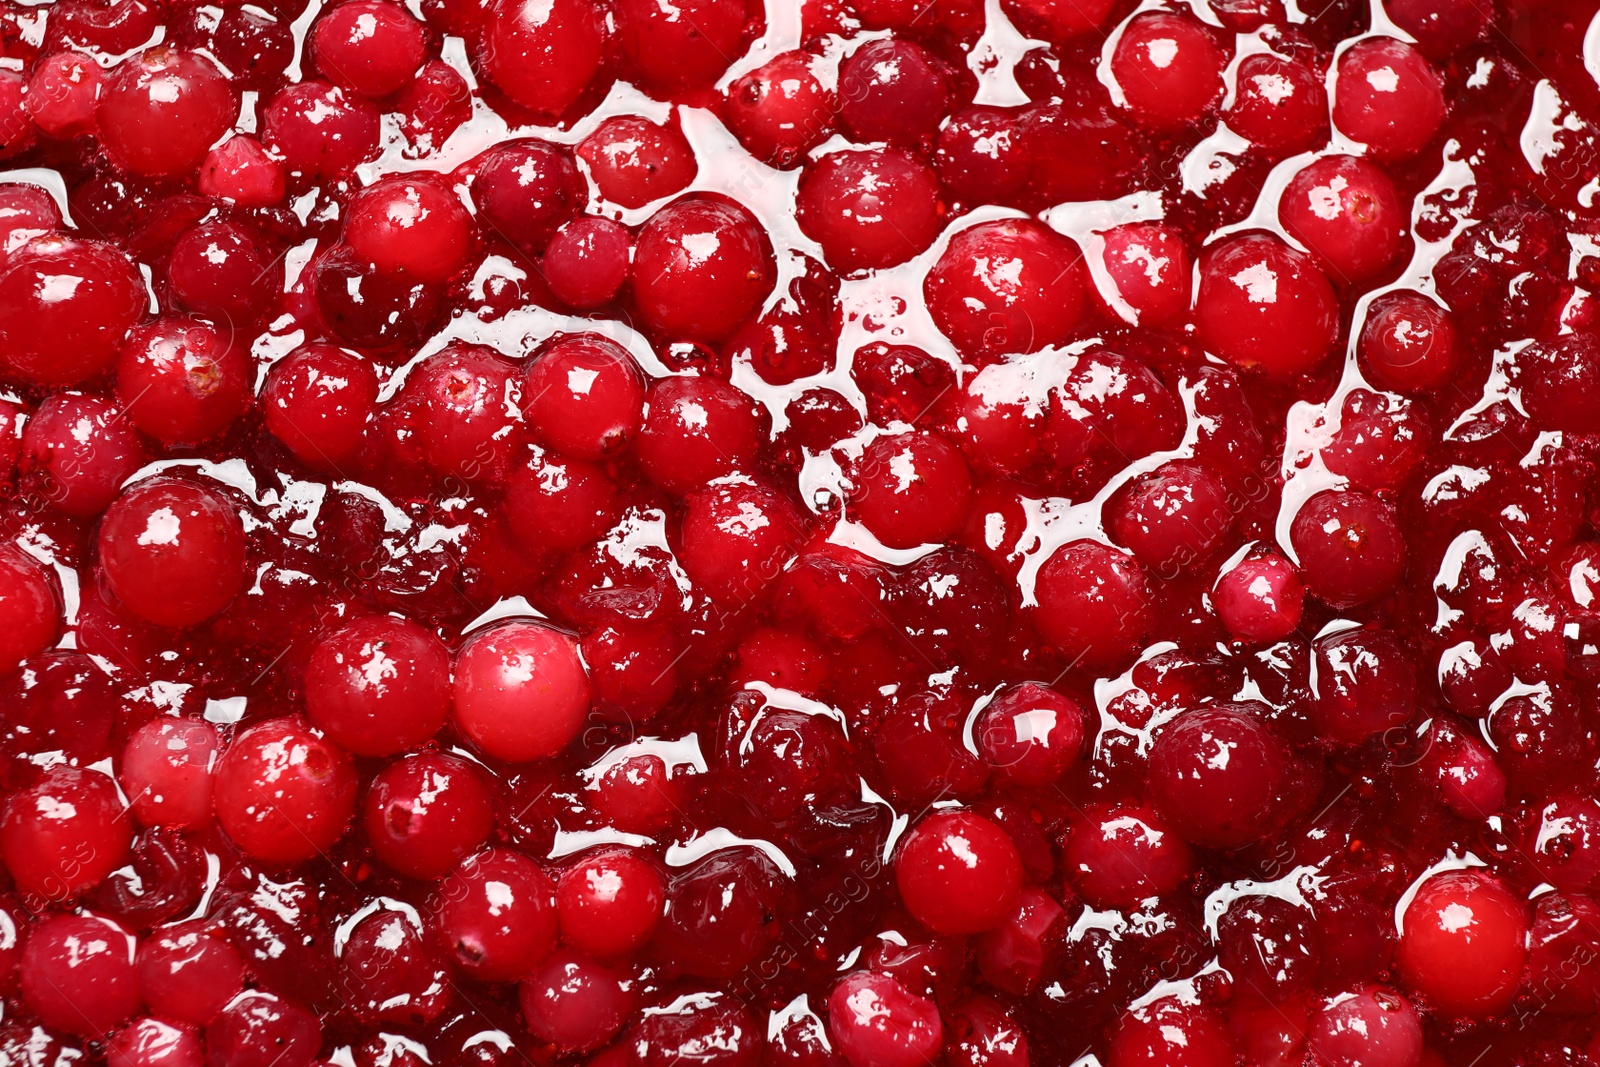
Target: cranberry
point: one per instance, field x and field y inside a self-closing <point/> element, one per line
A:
<point x="1441" y="29"/>
<point x="1168" y="67"/>
<point x="574" y="1003"/>
<point x="719" y="914"/>
<point x="1351" y="549"/>
<point x="495" y="916"/>
<point x="912" y="489"/>
<point x="634" y="161"/>
<point x="1270" y="947"/>
<point x="77" y="974"/>
<point x="587" y="262"/>
<point x="65" y="306"/>
<point x="1119" y="855"/>
<point x="390" y="974"/>
<point x="737" y="536"/>
<point x="696" y="430"/>
<point x="1170" y="1033"/>
<point x="1280" y="104"/>
<point x="434" y="105"/>
<point x="981" y="1034"/>
<point x="542" y="56"/>
<point x="182" y="381"/>
<point x="584" y="396"/>
<point x="1057" y="22"/>
<point x="1172" y="517"/>
<point x="1473" y="785"/>
<point x="262" y="1030"/>
<point x="370" y="47"/>
<point x="958" y="873"/>
<point x="1463" y="943"/>
<point x="318" y="400"/>
<point x="1262" y="304"/>
<point x="980" y="156"/>
<point x="167" y="770"/>
<point x="709" y="1027"/>
<point x="669" y="48"/>
<point x="869" y="209"/>
<point x="64" y="834"/>
<point x="701" y="268"/>
<point x="780" y="111"/>
<point x="1149" y="268"/>
<point x="425" y="812"/>
<point x="1031" y="733"/>
<point x="560" y="505"/>
<point x="1093" y="602"/>
<point x="521" y="691"/>
<point x="462" y="404"/>
<point x="1260" y="600"/>
<point x="1348" y="213"/>
<point x="63" y="91"/>
<point x="152" y="1043"/>
<point x="283" y="793"/>
<point x="1363" y="683"/>
<point x="26" y="211"/>
<point x="221" y="271"/>
<point x="187" y="974"/>
<point x="162" y="110"/>
<point x="1551" y="376"/>
<point x="1218" y="776"/>
<point x="877" y="1022"/>
<point x="240" y="170"/>
<point x="891" y="90"/>
<point x="172" y="551"/>
<point x="378" y="686"/>
<point x="1388" y="97"/>
<point x="413" y="228"/>
<point x="30" y="607"/>
<point x="320" y="131"/>
<point x="1006" y="286"/>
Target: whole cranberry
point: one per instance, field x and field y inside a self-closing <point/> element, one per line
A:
<point x="668" y="48"/>
<point x="434" y="105"/>
<point x="737" y="536"/>
<point x="1031" y="734"/>
<point x="1055" y="21"/>
<point x="588" y="261"/>
<point x="719" y="914"/>
<point x="877" y="1022"/>
<point x="1463" y="943"/>
<point x="869" y="209"/>
<point x="222" y="271"/>
<point x="542" y="55"/>
<point x="77" y="974"/>
<point x="1168" y="67"/>
<point x="187" y="973"/>
<point x="781" y="110"/>
<point x="30" y="608"/>
<point x="370" y="47"/>
<point x="1388" y="97"/>
<point x="560" y="505"/>
<point x="1408" y="342"/>
<point x="378" y="686"/>
<point x="980" y="155"/>
<point x="1218" y="801"/>
<point x="167" y="772"/>
<point x="1441" y="28"/>
<point x="696" y="430"/>
<point x="425" y="812"/>
<point x="609" y="903"/>
<point x="26" y="211"/>
<point x="1012" y="285"/>
<point x="1171" y="1033"/>
<point x="701" y="268"/>
<point x="1118" y="855"/>
<point x="390" y="974"/>
<point x="981" y="1034"/>
<point x="574" y="1003"/>
<point x="634" y="162"/>
<point x="495" y="916"/>
<point x="262" y="1030"/>
<point x="414" y="228"/>
<point x="521" y="691"/>
<point x="911" y="489"/>
<point x="149" y="1042"/>
<point x="319" y="130"/>
<point x="958" y="873"/>
<point x="892" y="90"/>
<point x="240" y="170"/>
<point x="1350" y="547"/>
<point x="1364" y="684"/>
<point x="63" y="90"/>
<point x="172" y="551"/>
<point x="161" y="111"/>
<point x="182" y="380"/>
<point x="584" y="396"/>
<point x="1263" y="305"/>
<point x="712" y="1027"/>
<point x="1280" y="104"/>
<point x="1171" y="517"/>
<point x="1260" y="600"/>
<point x="64" y="834"/>
<point x="1094" y="603"/>
<point x="283" y="793"/>
<point x="1348" y="213"/>
<point x="460" y="408"/>
<point x="318" y="400"/>
<point x="65" y="307"/>
<point x="1148" y="265"/>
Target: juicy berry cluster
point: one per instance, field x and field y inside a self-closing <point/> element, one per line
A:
<point x="834" y="533"/>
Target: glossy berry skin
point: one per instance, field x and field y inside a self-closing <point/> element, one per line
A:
<point x="911" y="489"/>
<point x="1458" y="918"/>
<point x="689" y="294"/>
<point x="1171" y="517"/>
<point x="77" y="974"/>
<point x="609" y="903"/>
<point x="1216" y="774"/>
<point x="891" y="90"/>
<point x="261" y="1029"/>
<point x="584" y="396"/>
<point x="167" y="770"/>
<point x="1388" y="97"/>
<point x="1006" y="286"/>
<point x="1260" y="600"/>
<point x="542" y="56"/>
<point x="30" y="608"/>
<point x="148" y="1042"/>
<point x="574" y="1003"/>
<point x="412" y="228"/>
<point x="378" y="686"/>
<point x="1351" y="550"/>
<point x="162" y="110"/>
<point x="172" y="552"/>
<point x="318" y="400"/>
<point x="557" y="505"/>
<point x="1149" y="268"/>
<point x="1094" y="602"/>
<point x="1168" y="1033"/>
<point x="1280" y="104"/>
<point x="50" y="336"/>
<point x="668" y="49"/>
<point x="958" y="873"/>
<point x="737" y="537"/>
<point x="223" y="272"/>
<point x="240" y="170"/>
<point x="495" y="916"/>
<point x="187" y="974"/>
<point x="521" y="692"/>
<point x="877" y="1022"/>
<point x="425" y="812"/>
<point x="1031" y="734"/>
<point x="780" y="111"/>
<point x="1262" y="305"/>
<point x="182" y="381"/>
<point x="1169" y="69"/>
<point x="1348" y="213"/>
<point x="634" y="161"/>
<point x="1119" y="855"/>
<point x="1370" y="1024"/>
<point x="284" y="793"/>
<point x="370" y="47"/>
<point x="64" y="834"/>
<point x="695" y="430"/>
<point x="869" y="210"/>
<point x="588" y="261"/>
<point x="62" y="93"/>
<point x="320" y="130"/>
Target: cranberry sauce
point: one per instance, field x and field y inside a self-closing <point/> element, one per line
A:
<point x="840" y="533"/>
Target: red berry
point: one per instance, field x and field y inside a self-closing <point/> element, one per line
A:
<point x="1170" y="1033"/>
<point x="188" y="974"/>
<point x="1006" y="286"/>
<point x="318" y="130"/>
<point x="152" y="1043"/>
<point x="318" y="400"/>
<point x="1260" y="599"/>
<point x="1463" y="943"/>
<point x="634" y="161"/>
<point x="780" y="111"/>
<point x="1057" y="21"/>
<point x="584" y="396"/>
<point x="737" y="536"/>
<point x="63" y="92"/>
<point x="1119" y="855"/>
<point x="77" y="974"/>
<point x="30" y="608"/>
<point x="64" y="834"/>
<point x="283" y="793"/>
<point x="1279" y="104"/>
<point x="263" y="1030"/>
<point x="892" y="90"/>
<point x="877" y="1022"/>
<point x="370" y="47"/>
<point x="378" y="686"/>
<point x="425" y="812"/>
<point x="587" y="262"/>
<point x="240" y="170"/>
<point x="542" y="54"/>
<point x="1348" y="213"/>
<point x="668" y="48"/>
<point x="1149" y="268"/>
<point x="222" y="271"/>
<point x="1262" y="304"/>
<point x="958" y="873"/>
<point x="1031" y="734"/>
<point x="1218" y="776"/>
<point x="1350" y="547"/>
<point x="167" y="772"/>
<point x="700" y="269"/>
<point x="609" y="903"/>
<point x="1387" y="97"/>
<point x="1408" y="342"/>
<point x="869" y="209"/>
<point x="574" y="1003"/>
<point x="1168" y="67"/>
<point x="521" y="692"/>
<point x="696" y="430"/>
<point x="162" y="110"/>
<point x="911" y="489"/>
<point x="182" y="380"/>
<point x="172" y="551"/>
<point x="495" y="916"/>
<point x="414" y="228"/>
<point x="1093" y="603"/>
<point x="65" y="307"/>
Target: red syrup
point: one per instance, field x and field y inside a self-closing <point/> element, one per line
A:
<point x="840" y="533"/>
